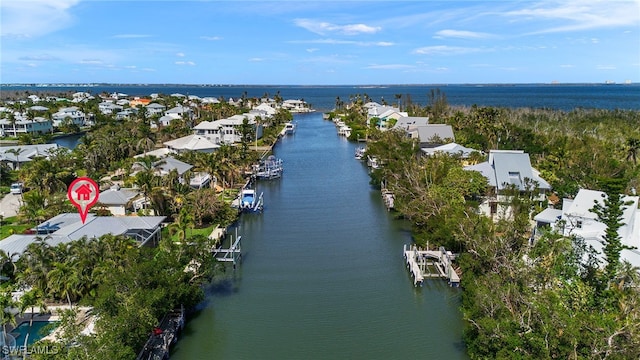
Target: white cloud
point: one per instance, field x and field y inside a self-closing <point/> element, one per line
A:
<point x="256" y="59"/>
<point x="91" y="62"/>
<point x="579" y="15"/>
<point x="130" y="36"/>
<point x="43" y="57"/>
<point x="189" y="63"/>
<point x="567" y="66"/>
<point x="390" y="66"/>
<point x="311" y="50"/>
<point x="180" y="54"/>
<point x="211" y="38"/>
<point x="605" y="67"/>
<point x="34" y="18"/>
<point x="461" y="34"/>
<point x="322" y="28"/>
<point x="343" y="42"/>
<point x="445" y="50"/>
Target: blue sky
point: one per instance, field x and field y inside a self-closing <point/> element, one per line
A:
<point x="319" y="42"/>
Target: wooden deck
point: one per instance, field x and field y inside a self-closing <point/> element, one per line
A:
<point x="430" y="264"/>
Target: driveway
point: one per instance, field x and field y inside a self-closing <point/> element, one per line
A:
<point x="10" y="204"/>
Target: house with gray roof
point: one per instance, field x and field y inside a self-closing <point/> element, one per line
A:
<point x="120" y="200"/>
<point x="68" y="227"/>
<point x="432" y="135"/>
<point x="17" y="155"/>
<point x="408" y="123"/>
<point x="23" y="125"/>
<point x="451" y="149"/>
<point x="507" y="169"/>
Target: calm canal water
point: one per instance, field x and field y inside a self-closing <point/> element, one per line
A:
<point x="323" y="275"/>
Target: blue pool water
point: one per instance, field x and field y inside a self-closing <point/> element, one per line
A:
<point x="35" y="332"/>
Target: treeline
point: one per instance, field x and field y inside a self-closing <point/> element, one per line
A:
<point x="128" y="288"/>
<point x="555" y="298"/>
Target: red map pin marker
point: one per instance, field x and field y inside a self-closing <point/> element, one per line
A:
<point x="83" y="194"/>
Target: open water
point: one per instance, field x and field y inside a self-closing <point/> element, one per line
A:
<point x="323" y="98"/>
<point x="323" y="275"/>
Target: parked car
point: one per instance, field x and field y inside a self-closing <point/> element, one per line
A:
<point x="16" y="188"/>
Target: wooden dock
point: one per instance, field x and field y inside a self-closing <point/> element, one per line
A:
<point x="388" y="198"/>
<point x="425" y="264"/>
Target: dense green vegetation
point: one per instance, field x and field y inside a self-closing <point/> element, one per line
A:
<point x="129" y="288"/>
<point x="552" y="299"/>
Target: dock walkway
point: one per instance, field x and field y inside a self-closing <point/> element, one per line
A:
<point x="430" y="264"/>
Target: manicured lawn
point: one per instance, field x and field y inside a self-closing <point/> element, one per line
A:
<point x="10" y="226"/>
<point x="191" y="232"/>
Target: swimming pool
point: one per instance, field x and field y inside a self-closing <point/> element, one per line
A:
<point x="37" y="331"/>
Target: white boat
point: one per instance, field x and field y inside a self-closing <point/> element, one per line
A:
<point x="289" y="128"/>
<point x="360" y="152"/>
<point x="250" y="201"/>
<point x="344" y="131"/>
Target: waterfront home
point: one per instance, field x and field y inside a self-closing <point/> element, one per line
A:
<point x="155" y="109"/>
<point x="68" y="227"/>
<point x="15" y="156"/>
<point x="37" y="125"/>
<point x="507" y="169"/>
<point x="265" y="110"/>
<point x="127" y="113"/>
<point x="296" y="106"/>
<point x="191" y="142"/>
<point x="576" y="219"/>
<point x="165" y="165"/>
<point x="227" y="130"/>
<point x="432" y="135"/>
<point x="120" y="200"/>
<point x="180" y="112"/>
<point x="109" y="108"/>
<point x="451" y="149"/>
<point x="407" y="123"/>
<point x="76" y="116"/>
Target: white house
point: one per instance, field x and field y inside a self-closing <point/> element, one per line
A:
<point x="576" y="218"/>
<point x="180" y="112"/>
<point x="109" y="108"/>
<point x="155" y="109"/>
<point x="451" y="149"/>
<point x="77" y="117"/>
<point x="37" y="125"/>
<point x="192" y="143"/>
<point x="118" y="200"/>
<point x="503" y="170"/>
<point x="226" y="130"/>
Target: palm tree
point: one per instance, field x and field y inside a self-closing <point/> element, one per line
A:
<point x="63" y="281"/>
<point x="633" y="147"/>
<point x="16" y="152"/>
<point x="183" y="222"/>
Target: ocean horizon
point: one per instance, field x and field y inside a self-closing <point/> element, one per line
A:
<point x="555" y="96"/>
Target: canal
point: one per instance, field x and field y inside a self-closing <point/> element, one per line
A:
<point x="322" y="275"/>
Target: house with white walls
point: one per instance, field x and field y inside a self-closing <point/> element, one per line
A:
<point x="73" y="113"/>
<point x="576" y="218"/>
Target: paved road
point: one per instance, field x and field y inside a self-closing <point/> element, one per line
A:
<point x="10" y="204"/>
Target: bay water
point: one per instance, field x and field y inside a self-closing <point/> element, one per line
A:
<point x="322" y="275"/>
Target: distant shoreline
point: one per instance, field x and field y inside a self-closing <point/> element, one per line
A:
<point x="67" y="85"/>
